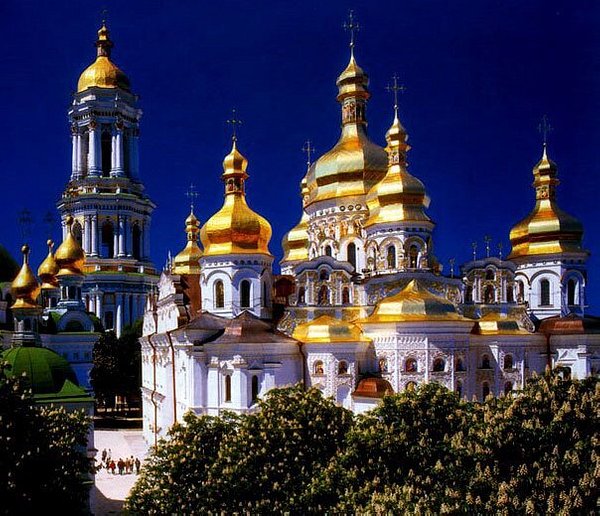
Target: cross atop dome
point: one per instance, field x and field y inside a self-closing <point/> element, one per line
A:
<point x="353" y="27"/>
<point x="234" y="122"/>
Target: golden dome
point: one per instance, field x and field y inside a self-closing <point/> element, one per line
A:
<point x="496" y="323"/>
<point x="188" y="260"/>
<point x="25" y="288"/>
<point x="69" y="256"/>
<point x="48" y="269"/>
<point x="235" y="228"/>
<point x="399" y="196"/>
<point x="295" y="242"/>
<point x="413" y="303"/>
<point x="326" y="329"/>
<point x="355" y="164"/>
<point x="103" y="73"/>
<point x="547" y="229"/>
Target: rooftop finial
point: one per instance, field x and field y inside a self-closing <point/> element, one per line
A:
<point x="192" y="195"/>
<point x="104" y="16"/>
<point x="234" y="122"/>
<point x="309" y="149"/>
<point x="474" y="246"/>
<point x="544" y="128"/>
<point x="488" y="240"/>
<point x="352" y="26"/>
<point x="395" y="88"/>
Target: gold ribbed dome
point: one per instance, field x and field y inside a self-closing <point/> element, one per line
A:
<point x="326" y="329"/>
<point x="235" y="228"/>
<point x="547" y="229"/>
<point x="69" y="256"/>
<point x="188" y="260"/>
<point x="355" y="164"/>
<point x="103" y="73"/>
<point x="295" y="241"/>
<point x="399" y="196"/>
<point x="25" y="288"/>
<point x="48" y="269"/>
<point x="413" y="303"/>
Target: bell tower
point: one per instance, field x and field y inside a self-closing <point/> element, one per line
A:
<point x="105" y="196"/>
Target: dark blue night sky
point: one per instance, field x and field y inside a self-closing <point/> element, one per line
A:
<point x="479" y="76"/>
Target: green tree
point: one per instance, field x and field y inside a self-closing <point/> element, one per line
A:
<point x="105" y="374"/>
<point x="43" y="460"/>
<point x="129" y="360"/>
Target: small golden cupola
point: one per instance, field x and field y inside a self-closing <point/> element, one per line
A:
<point x="399" y="196"/>
<point x="103" y="73"/>
<point x="355" y="163"/>
<point x="547" y="229"/>
<point x="25" y="288"/>
<point x="69" y="256"/>
<point x="295" y="241"/>
<point x="235" y="228"/>
<point x="188" y="260"/>
<point x="48" y="269"/>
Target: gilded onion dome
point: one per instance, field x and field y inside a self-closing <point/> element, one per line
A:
<point x="25" y="288"/>
<point x="103" y="73"/>
<point x="547" y="229"/>
<point x="48" y="269"/>
<point x="327" y="329"/>
<point x="188" y="260"/>
<point x="399" y="196"/>
<point x="355" y="164"/>
<point x="69" y="256"/>
<point x="413" y="303"/>
<point x="295" y="241"/>
<point x="235" y="228"/>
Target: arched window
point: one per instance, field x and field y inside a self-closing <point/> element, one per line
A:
<point x="254" y="388"/>
<point x="508" y="362"/>
<point x="488" y="294"/>
<point x="411" y="365"/>
<point x="485" y="390"/>
<point x="323" y="296"/>
<point x="544" y="292"/>
<point x="383" y="365"/>
<point x="345" y="296"/>
<point x="571" y="290"/>
<point x="508" y="387"/>
<point x="391" y="257"/>
<point x="219" y="294"/>
<point x="318" y="367"/>
<point x="109" y="322"/>
<point x="108" y="240"/>
<point x="459" y="388"/>
<point x="323" y="275"/>
<point x="489" y="274"/>
<point x="245" y="294"/>
<point x="343" y="367"/>
<point x="459" y="365"/>
<point x="469" y="294"/>
<point x="77" y="232"/>
<point x="265" y="294"/>
<point x="351" y="250"/>
<point x="413" y="255"/>
<point x="327" y="250"/>
<point x="439" y="365"/>
<point x="227" y="387"/>
<point x="411" y="386"/>
<point x="485" y="362"/>
<point x="136" y="237"/>
<point x="301" y="295"/>
<point x="510" y="294"/>
<point x="106" y="144"/>
<point x="521" y="291"/>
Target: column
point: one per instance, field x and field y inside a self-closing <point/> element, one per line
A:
<point x="87" y="240"/>
<point x="128" y="236"/>
<point x="94" y="235"/>
<point x="99" y="305"/>
<point x="121" y="233"/>
<point x="119" y="317"/>
<point x="74" y="155"/>
<point x="94" y="150"/>
<point x="113" y="154"/>
<point x="119" y="172"/>
<point x="91" y="303"/>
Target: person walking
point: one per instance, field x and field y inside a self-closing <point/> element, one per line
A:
<point x="112" y="466"/>
<point x="137" y="466"/>
<point x="120" y="465"/>
<point x="104" y="453"/>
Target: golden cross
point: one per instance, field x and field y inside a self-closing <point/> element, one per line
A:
<point x="104" y="16"/>
<point x="192" y="195"/>
<point x="395" y="88"/>
<point x="352" y="26"/>
<point x="309" y="149"/>
<point x="544" y="128"/>
<point x="234" y="122"/>
<point x="487" y="239"/>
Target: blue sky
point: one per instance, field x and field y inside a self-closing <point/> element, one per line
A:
<point x="479" y="76"/>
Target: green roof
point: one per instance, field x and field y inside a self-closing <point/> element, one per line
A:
<point x="46" y="373"/>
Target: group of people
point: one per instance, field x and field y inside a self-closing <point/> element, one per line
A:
<point x="122" y="466"/>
